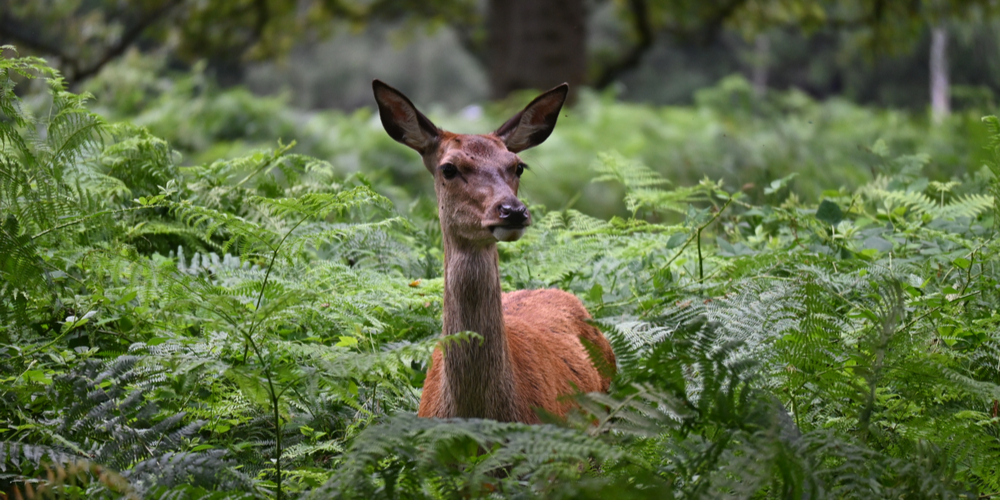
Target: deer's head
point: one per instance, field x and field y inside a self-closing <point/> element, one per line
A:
<point x="475" y="176"/>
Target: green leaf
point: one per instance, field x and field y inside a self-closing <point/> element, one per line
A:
<point x="596" y="293"/>
<point x="778" y="184"/>
<point x="37" y="376"/>
<point x="347" y="341"/>
<point x="220" y="428"/>
<point x="829" y="212"/>
<point x="877" y="243"/>
<point x="251" y="385"/>
<point x="126" y="298"/>
<point x="677" y="240"/>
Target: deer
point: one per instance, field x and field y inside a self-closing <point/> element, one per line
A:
<point x="532" y="350"/>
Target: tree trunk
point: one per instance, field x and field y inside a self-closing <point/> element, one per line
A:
<point x="940" y="89"/>
<point x="536" y="44"/>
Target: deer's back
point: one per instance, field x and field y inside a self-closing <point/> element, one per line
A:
<point x="544" y="332"/>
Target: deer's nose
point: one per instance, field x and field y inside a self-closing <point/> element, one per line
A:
<point x="513" y="213"/>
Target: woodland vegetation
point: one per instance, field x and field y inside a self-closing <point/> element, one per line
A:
<point x="649" y="50"/>
<point x="802" y="296"/>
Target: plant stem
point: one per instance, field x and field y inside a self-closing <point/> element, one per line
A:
<point x="267" y="370"/>
<point x="270" y="161"/>
<point x="701" y="267"/>
<point x="698" y="234"/>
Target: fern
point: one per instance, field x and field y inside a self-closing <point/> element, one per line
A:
<point x="644" y="186"/>
<point x="392" y="459"/>
<point x="970" y="205"/>
<point x="260" y="326"/>
<point x="993" y="146"/>
<point x="65" y="473"/>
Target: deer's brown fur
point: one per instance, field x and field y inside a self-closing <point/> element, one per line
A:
<point x="531" y="353"/>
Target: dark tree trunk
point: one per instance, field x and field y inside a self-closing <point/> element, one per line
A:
<point x="536" y="44"/>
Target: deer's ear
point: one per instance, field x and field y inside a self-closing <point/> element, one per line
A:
<point x="535" y="122"/>
<point x="401" y="119"/>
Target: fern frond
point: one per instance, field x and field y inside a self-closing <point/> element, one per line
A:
<point x="50" y="469"/>
<point x="644" y="186"/>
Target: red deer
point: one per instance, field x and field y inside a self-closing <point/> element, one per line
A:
<point x="532" y="351"/>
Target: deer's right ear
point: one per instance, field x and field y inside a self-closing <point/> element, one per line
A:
<point x="401" y="119"/>
<point x="535" y="122"/>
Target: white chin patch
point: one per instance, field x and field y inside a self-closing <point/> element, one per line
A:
<point x="507" y="234"/>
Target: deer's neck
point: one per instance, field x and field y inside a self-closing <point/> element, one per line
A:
<point x="478" y="375"/>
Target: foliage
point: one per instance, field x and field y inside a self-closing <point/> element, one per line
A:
<point x="993" y="146"/>
<point x="259" y="326"/>
<point x="85" y="36"/>
<point x="216" y="343"/>
<point x="879" y="23"/>
<point x="730" y="134"/>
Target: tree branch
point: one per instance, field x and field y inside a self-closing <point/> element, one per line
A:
<point x="640" y="18"/>
<point x="707" y="30"/>
<point x="22" y="33"/>
<point x="128" y="38"/>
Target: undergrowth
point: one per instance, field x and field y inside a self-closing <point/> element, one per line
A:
<point x="728" y="133"/>
<point x="259" y="327"/>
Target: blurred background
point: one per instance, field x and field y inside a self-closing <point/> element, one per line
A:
<point x="775" y="97"/>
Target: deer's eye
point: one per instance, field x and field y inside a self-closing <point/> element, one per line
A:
<point x="520" y="169"/>
<point x="449" y="171"/>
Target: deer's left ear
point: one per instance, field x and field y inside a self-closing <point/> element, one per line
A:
<point x="535" y="122"/>
<point x="402" y="120"/>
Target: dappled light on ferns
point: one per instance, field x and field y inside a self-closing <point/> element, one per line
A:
<point x="218" y="330"/>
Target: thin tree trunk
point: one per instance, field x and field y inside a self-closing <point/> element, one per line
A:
<point x="536" y="44"/>
<point x="940" y="88"/>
